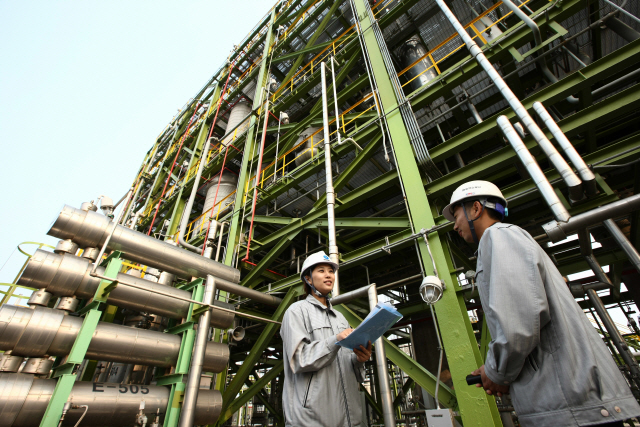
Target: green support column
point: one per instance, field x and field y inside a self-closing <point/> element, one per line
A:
<point x="476" y="407"/>
<point x="249" y="146"/>
<point x="66" y="373"/>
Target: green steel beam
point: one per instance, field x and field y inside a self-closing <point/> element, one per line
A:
<point x="265" y="400"/>
<point x="234" y="406"/>
<point x="413" y="369"/>
<point x="253" y="278"/>
<point x="376" y="222"/>
<point x="256" y="353"/>
<point x="235" y="229"/>
<point x="371" y="401"/>
<point x="477" y="408"/>
<point x="405" y="388"/>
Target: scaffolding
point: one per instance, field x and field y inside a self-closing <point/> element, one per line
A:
<point x="239" y="177"/>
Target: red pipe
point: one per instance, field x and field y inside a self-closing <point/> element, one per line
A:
<point x="184" y="136"/>
<point x="255" y="188"/>
<point x="270" y="271"/>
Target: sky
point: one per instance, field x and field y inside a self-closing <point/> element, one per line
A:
<point x="86" y="87"/>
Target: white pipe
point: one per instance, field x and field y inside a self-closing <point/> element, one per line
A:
<point x="187" y="210"/>
<point x="331" y="198"/>
<point x="569" y="177"/>
<point x="547" y="191"/>
<point x="588" y="178"/>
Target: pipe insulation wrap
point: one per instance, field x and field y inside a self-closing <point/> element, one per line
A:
<point x="89" y="229"/>
<point x="67" y="275"/>
<point x="45" y="331"/>
<point x="24" y="400"/>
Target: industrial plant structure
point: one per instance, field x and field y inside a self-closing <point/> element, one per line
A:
<point x="343" y="126"/>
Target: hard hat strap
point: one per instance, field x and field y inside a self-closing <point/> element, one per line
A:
<point x="317" y="292"/>
<point x="470" y="221"/>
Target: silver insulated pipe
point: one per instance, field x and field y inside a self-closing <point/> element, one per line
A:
<point x="89" y="229"/>
<point x="65" y="275"/>
<point x="24" y="399"/>
<point x="538" y="177"/>
<point x="570" y="178"/>
<point x="44" y="331"/>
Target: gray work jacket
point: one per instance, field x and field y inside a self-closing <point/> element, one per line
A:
<point x="543" y="346"/>
<point x="321" y="379"/>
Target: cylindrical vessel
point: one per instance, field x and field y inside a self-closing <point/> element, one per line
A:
<point x="238" y="115"/>
<point x="312" y="147"/>
<point x="92" y="229"/>
<point x="45" y="331"/>
<point x="422" y="72"/>
<point x="24" y="399"/>
<point x="68" y="275"/>
<point x="228" y="184"/>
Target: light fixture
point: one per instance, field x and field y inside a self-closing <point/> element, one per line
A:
<point x="431" y="289"/>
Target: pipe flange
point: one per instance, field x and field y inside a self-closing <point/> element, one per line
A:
<point x="554" y="231"/>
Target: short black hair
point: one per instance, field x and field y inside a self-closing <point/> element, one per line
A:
<point x="493" y="214"/>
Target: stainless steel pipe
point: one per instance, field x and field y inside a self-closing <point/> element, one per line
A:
<point x="187" y="210"/>
<point x="560" y="230"/>
<point x="383" y="372"/>
<point x="623" y="242"/>
<point x="24" y="400"/>
<point x="588" y="177"/>
<point x="199" y="350"/>
<point x="67" y="275"/>
<point x="44" y="331"/>
<point x="351" y="295"/>
<point x="570" y="178"/>
<point x="331" y="197"/>
<point x="538" y="177"/>
<point x="90" y="229"/>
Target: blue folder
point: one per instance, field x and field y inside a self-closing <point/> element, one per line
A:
<point x="382" y="317"/>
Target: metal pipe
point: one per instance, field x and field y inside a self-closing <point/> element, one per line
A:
<point x="588" y="178"/>
<point x="106" y="241"/>
<point x="538" y="177"/>
<point x="559" y="231"/>
<point x="570" y="178"/>
<point x="220" y="240"/>
<point x="614" y="334"/>
<point x="441" y="348"/>
<point x="610" y="87"/>
<point x="24" y="400"/>
<point x="331" y="201"/>
<point x="187" y="210"/>
<point x="351" y="295"/>
<point x="383" y="372"/>
<point x="635" y="18"/>
<point x="335" y="102"/>
<point x="45" y="331"/>
<point x="193" y="381"/>
<point x="89" y="229"/>
<point x="537" y="36"/>
<point x="623" y="242"/>
<point x="65" y="275"/>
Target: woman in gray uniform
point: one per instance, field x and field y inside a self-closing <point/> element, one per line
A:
<point x="321" y="378"/>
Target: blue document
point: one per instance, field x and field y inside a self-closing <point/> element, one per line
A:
<point x="382" y="317"/>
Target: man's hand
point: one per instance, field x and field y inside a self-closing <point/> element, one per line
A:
<point x="342" y="335"/>
<point x="363" y="354"/>
<point x="490" y="386"/>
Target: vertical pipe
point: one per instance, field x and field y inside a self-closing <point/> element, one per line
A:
<point x="570" y="178"/>
<point x="331" y="201"/>
<point x="220" y="239"/>
<point x="258" y="172"/>
<point x="383" y="373"/>
<point x="588" y="178"/>
<point x="187" y="210"/>
<point x="193" y="381"/>
<point x="623" y="242"/>
<point x="619" y="342"/>
<point x="545" y="188"/>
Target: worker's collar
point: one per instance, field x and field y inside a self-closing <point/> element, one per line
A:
<point x="310" y="298"/>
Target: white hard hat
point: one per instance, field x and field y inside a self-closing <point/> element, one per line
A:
<point x="315" y="259"/>
<point x="473" y="190"/>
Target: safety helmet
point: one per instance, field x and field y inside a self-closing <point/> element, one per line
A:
<point x="475" y="190"/>
<point x="313" y="260"/>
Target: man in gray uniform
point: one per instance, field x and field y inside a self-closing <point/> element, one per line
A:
<point x="543" y="351"/>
